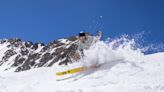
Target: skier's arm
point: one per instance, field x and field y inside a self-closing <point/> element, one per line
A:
<point x="98" y="37"/>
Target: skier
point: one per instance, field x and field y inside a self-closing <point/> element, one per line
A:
<point x="85" y="41"/>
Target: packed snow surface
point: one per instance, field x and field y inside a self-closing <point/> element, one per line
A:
<point x="123" y="69"/>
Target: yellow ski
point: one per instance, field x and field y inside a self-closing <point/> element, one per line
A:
<point x="75" y="70"/>
<point x="71" y="71"/>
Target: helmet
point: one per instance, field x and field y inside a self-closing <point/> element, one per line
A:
<point x="82" y="34"/>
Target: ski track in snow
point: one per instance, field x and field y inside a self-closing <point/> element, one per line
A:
<point x="124" y="70"/>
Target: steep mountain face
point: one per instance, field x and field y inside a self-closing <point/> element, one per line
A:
<point x="18" y="55"/>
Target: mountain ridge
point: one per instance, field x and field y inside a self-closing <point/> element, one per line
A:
<point x="19" y="55"/>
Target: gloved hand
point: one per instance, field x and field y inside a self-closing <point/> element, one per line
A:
<point x="100" y="34"/>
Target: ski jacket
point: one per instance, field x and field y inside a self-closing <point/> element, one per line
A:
<point x="90" y="40"/>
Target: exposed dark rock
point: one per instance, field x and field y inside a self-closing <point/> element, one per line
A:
<point x="45" y="48"/>
<point x="22" y="68"/>
<point x="45" y="58"/>
<point x="35" y="46"/>
<point x="42" y="44"/>
<point x="1" y="62"/>
<point x="54" y="61"/>
<point x="24" y="51"/>
<point x="57" y="43"/>
<point x="58" y="51"/>
<point x="28" y="44"/>
<point x="18" y="61"/>
<point x="15" y="42"/>
<point x="73" y="38"/>
<point x="25" y="55"/>
<point x="29" y="62"/>
<point x="8" y="54"/>
<point x="65" y="62"/>
<point x="3" y="41"/>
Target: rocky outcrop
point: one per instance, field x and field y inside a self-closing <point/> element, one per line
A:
<point x="21" y="56"/>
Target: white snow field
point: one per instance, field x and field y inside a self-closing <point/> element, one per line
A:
<point x="122" y="70"/>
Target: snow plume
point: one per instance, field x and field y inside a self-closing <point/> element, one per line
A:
<point x="115" y="50"/>
<point x="125" y="47"/>
<point x="99" y="53"/>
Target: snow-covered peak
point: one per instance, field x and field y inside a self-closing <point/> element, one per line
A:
<point x="17" y="55"/>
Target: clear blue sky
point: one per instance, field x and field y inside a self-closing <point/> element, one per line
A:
<point x="47" y="20"/>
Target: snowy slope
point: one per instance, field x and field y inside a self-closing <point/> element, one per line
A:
<point x="146" y="76"/>
<point x="125" y="69"/>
